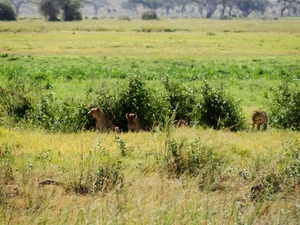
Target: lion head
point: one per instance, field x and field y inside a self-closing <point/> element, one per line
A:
<point x="133" y="122"/>
<point x="102" y="122"/>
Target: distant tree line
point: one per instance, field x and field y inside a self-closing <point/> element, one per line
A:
<point x="246" y="7"/>
<point x="69" y="10"/>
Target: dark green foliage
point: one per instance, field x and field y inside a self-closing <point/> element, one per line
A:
<point x="59" y="115"/>
<point x="7" y="12"/>
<point x="133" y="98"/>
<point x="149" y="15"/>
<point x="14" y="102"/>
<point x="218" y="110"/>
<point x="285" y="108"/>
<point x="71" y="10"/>
<point x="51" y="9"/>
<point x="182" y="99"/>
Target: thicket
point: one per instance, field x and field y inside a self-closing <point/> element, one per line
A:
<point x="27" y="104"/>
<point x="218" y="110"/>
<point x="285" y="108"/>
<point x="7" y="12"/>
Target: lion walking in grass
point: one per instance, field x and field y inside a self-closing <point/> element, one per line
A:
<point x="259" y="118"/>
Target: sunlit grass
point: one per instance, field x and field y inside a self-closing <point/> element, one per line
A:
<point x="147" y="195"/>
<point x="191" y="38"/>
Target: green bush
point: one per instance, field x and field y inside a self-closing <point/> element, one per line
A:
<point x="7" y="12"/>
<point x="149" y="15"/>
<point x="218" y="110"/>
<point x="182" y="99"/>
<point x="285" y="108"/>
<point x="14" y="102"/>
<point x="150" y="106"/>
<point x="57" y="115"/>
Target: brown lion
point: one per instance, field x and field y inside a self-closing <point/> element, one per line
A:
<point x="102" y="122"/>
<point x="259" y="118"/>
<point x="133" y="122"/>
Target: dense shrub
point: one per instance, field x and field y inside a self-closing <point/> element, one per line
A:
<point x="182" y="99"/>
<point x="151" y="107"/>
<point x="218" y="110"/>
<point x="149" y="15"/>
<point x="14" y="102"/>
<point x="7" y="12"/>
<point x="57" y="115"/>
<point x="285" y="108"/>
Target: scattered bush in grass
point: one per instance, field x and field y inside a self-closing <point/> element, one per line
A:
<point x="104" y="179"/>
<point x="292" y="169"/>
<point x="7" y="12"/>
<point x="182" y="99"/>
<point x="266" y="187"/>
<point x="193" y="159"/>
<point x="124" y="151"/>
<point x="285" y="108"/>
<point x="124" y="17"/>
<point x="218" y="110"/>
<point x="149" y="15"/>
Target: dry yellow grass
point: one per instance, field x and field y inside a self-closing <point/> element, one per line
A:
<point x="147" y="196"/>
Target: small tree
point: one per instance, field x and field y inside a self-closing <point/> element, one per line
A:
<point x="51" y="9"/>
<point x="71" y="10"/>
<point x="7" y="12"/>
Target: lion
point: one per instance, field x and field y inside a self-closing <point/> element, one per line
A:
<point x="102" y="122"/>
<point x="259" y="118"/>
<point x="133" y="122"/>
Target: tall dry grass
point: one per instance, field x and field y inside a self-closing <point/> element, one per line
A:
<point x="147" y="195"/>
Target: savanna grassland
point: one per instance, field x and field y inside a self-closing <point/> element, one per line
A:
<point x="169" y="175"/>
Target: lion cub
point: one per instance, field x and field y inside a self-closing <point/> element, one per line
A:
<point x="102" y="122"/>
<point x="133" y="122"/>
<point x="259" y="118"/>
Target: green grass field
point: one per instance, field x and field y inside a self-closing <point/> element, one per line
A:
<point x="183" y="175"/>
